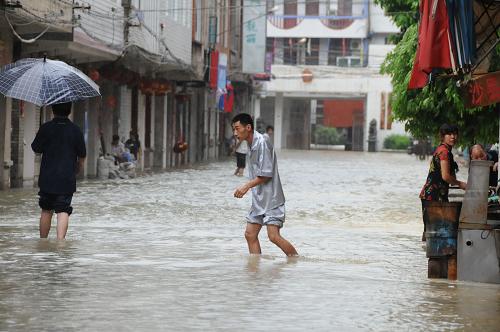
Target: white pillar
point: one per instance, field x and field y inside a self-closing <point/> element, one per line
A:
<point x="256" y="108"/>
<point x="125" y="117"/>
<point x="5" y="144"/>
<point x="278" y="120"/>
<point x="30" y="129"/>
<point x="160" y="130"/>
<point x="94" y="141"/>
<point x="141" y="122"/>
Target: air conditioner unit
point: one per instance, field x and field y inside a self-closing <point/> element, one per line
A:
<point x="355" y="44"/>
<point x="342" y="61"/>
<point x="348" y="61"/>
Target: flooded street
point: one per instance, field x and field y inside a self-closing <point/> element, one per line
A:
<point x="167" y="252"/>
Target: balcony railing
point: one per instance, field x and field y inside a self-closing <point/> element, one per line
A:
<point x="284" y="21"/>
<point x="332" y="22"/>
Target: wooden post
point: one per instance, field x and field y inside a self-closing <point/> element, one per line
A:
<point x="452" y="267"/>
<point x="437" y="267"/>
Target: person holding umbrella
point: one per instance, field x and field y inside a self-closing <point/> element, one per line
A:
<point x="62" y="146"/>
<point x="50" y="82"/>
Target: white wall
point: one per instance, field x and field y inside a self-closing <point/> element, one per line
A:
<point x="379" y="23"/>
<point x="327" y="80"/>
<point x="334" y="82"/>
<point x="103" y="22"/>
<point x="373" y="110"/>
<point x="159" y="26"/>
<point x="377" y="54"/>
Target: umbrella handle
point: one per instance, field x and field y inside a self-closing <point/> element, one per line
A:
<point x="45" y="57"/>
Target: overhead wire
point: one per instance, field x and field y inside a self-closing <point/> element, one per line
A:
<point x="91" y="12"/>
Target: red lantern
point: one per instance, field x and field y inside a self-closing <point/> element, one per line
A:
<point x="155" y="85"/>
<point x="111" y="102"/>
<point x="164" y="87"/>
<point x="94" y="75"/>
<point x="146" y="87"/>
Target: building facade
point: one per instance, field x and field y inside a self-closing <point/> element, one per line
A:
<point x="325" y="59"/>
<point x="152" y="60"/>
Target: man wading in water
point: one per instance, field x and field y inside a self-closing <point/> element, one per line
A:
<point x="62" y="146"/>
<point x="268" y="201"/>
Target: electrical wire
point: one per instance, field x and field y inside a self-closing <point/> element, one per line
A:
<point x="26" y="41"/>
<point x="276" y="3"/>
<point x="161" y="40"/>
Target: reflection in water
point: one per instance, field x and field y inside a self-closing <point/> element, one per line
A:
<point x="167" y="252"/>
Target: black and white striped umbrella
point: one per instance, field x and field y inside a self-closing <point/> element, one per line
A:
<point x="45" y="82"/>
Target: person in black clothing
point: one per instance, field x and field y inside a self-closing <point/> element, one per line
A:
<point x="62" y="146"/>
<point x="133" y="144"/>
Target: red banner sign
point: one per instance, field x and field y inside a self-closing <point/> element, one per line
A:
<point x="482" y="91"/>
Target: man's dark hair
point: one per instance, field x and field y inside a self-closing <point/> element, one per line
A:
<point x="269" y="128"/>
<point x="63" y="109"/>
<point x="244" y="119"/>
<point x="116" y="138"/>
<point x="447" y="129"/>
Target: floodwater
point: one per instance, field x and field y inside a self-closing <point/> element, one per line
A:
<point x="167" y="252"/>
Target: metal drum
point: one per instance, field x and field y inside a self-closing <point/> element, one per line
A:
<point x="441" y="220"/>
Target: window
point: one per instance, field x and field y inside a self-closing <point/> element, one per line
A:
<point x="235" y="30"/>
<point x="290" y="9"/>
<point x="270" y="48"/>
<point x="312" y="52"/>
<point x="345" y="8"/>
<point x="345" y="52"/>
<point x="385" y="111"/>
<point x="334" y="51"/>
<point x="382" y="111"/>
<point x="312" y="8"/>
<point x="290" y="51"/>
<point x="197" y="20"/>
<point x="389" y="111"/>
<point x="339" y="8"/>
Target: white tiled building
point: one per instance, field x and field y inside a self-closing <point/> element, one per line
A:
<point x="326" y="58"/>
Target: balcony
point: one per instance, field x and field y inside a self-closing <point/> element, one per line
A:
<point x="317" y="19"/>
<point x="296" y="26"/>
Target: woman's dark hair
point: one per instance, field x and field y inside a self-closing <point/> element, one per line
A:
<point x="447" y="129"/>
<point x="269" y="128"/>
<point x="244" y="119"/>
<point x="63" y="109"/>
<point x="116" y="138"/>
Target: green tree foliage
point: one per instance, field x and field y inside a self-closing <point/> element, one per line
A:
<point x="424" y="110"/>
<point x="396" y="142"/>
<point x="328" y="136"/>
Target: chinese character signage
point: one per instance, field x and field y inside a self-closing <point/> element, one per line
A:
<point x="254" y="36"/>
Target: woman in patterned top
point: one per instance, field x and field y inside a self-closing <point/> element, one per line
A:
<point x="442" y="170"/>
